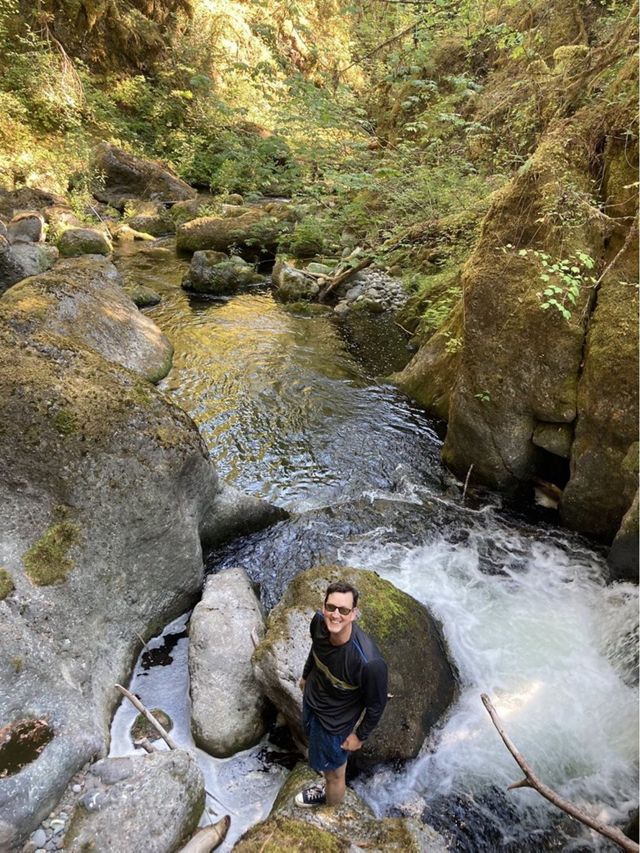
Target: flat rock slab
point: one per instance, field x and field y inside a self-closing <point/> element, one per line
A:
<point x="227" y="703"/>
<point x="83" y="298"/>
<point x="149" y="803"/>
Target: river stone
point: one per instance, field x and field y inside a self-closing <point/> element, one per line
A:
<point x="83" y="298"/>
<point x="22" y="260"/>
<point x="149" y="803"/>
<point x="27" y="198"/>
<point x="127" y="176"/>
<point x="108" y="497"/>
<point x="227" y="704"/>
<point x="142" y="296"/>
<point x="349" y="826"/>
<point x="251" y="235"/>
<point x="218" y="275"/>
<point x="421" y="679"/>
<point x="151" y="218"/>
<point x="26" y="227"/>
<point x="292" y="285"/>
<point x="83" y="241"/>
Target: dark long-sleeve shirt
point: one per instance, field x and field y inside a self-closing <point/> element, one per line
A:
<point x="343" y="681"/>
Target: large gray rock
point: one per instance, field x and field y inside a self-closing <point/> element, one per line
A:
<point x="84" y="241"/>
<point x="83" y="298"/>
<point x="22" y="260"/>
<point x="27" y="198"/>
<point x="149" y="803"/>
<point x="421" y="679"/>
<point x="227" y="703"/>
<point x="107" y="493"/>
<point x="623" y="555"/>
<point x="335" y="829"/>
<point x="127" y="176"/>
<point x="26" y="227"/>
<point x="218" y="275"/>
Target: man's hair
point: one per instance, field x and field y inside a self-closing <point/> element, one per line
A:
<point x="341" y="586"/>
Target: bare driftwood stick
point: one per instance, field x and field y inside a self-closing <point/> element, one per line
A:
<point x="149" y="716"/>
<point x="531" y="781"/>
<point x="208" y="838"/>
<point x="146" y="744"/>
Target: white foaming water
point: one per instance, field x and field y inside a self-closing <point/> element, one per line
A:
<point x="551" y="645"/>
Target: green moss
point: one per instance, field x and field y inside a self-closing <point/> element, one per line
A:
<point x="6" y="583"/>
<point x="285" y="833"/>
<point x="65" y="422"/>
<point x="47" y="561"/>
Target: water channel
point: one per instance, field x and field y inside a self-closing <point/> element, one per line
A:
<point x="293" y="409"/>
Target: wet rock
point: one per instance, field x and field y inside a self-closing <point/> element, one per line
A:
<point x="292" y="285"/>
<point x="83" y="241"/>
<point x="127" y="176"/>
<point x="149" y="803"/>
<point x="83" y="297"/>
<point x="124" y="233"/>
<point x="142" y="296"/>
<point x="623" y="555"/>
<point x="143" y="728"/>
<point x="556" y="438"/>
<point x="26" y="227"/>
<point x="421" y="678"/>
<point x="23" y="260"/>
<point x="334" y="829"/>
<point x="227" y="703"/>
<point x="217" y="274"/>
<point x="252" y="234"/>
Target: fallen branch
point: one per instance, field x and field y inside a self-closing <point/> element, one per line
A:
<point x="531" y="781"/>
<point x="343" y="276"/>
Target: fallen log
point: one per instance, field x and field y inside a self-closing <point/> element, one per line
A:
<point x="208" y="838"/>
<point x="531" y="781"/>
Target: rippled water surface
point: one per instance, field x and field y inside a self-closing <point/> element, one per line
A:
<point x="292" y="409"/>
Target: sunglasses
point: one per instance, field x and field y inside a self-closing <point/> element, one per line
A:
<point x="343" y="611"/>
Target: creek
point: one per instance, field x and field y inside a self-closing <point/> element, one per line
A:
<point x="292" y="409"/>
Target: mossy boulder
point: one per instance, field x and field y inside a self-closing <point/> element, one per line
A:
<point x="126" y="176"/>
<point x="142" y="728"/>
<point x="150" y="218"/>
<point x="250" y="235"/>
<point x="421" y="679"/>
<point x="83" y="299"/>
<point x="73" y="242"/>
<point x="293" y="285"/>
<point x="142" y="296"/>
<point x="216" y="274"/>
<point x="333" y="830"/>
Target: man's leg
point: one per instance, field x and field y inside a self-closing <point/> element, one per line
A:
<point x="335" y="785"/>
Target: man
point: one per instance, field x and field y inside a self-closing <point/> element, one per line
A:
<point x="345" y="692"/>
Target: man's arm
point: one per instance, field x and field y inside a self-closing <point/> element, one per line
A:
<point x="374" y="688"/>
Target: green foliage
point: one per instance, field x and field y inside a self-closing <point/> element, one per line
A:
<point x="6" y="583"/>
<point x="563" y="278"/>
<point x="307" y="239"/>
<point x="47" y="561"/>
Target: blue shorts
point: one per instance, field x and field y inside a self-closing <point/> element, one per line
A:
<point x="325" y="752"/>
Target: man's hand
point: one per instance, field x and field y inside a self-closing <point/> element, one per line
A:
<point x="302" y="683"/>
<point x="352" y="743"/>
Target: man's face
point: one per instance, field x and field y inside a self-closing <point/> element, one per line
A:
<point x="336" y="621"/>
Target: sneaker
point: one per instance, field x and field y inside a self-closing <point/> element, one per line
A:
<point x="313" y="796"/>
